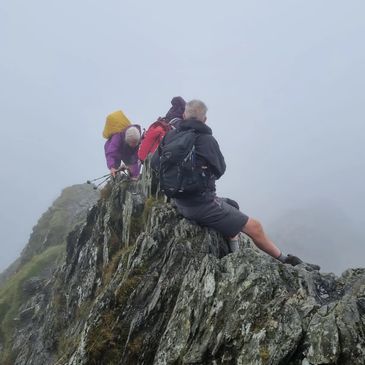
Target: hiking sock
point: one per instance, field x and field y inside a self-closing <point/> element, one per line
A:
<point x="234" y="245"/>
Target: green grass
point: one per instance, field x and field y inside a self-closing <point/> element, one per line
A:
<point x="12" y="295"/>
<point x="67" y="211"/>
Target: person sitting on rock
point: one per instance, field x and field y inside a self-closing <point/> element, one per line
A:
<point x="205" y="207"/>
<point x="121" y="149"/>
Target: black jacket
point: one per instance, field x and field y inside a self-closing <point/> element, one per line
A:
<point x="206" y="147"/>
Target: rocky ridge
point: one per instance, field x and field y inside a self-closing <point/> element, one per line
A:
<point x="143" y="285"/>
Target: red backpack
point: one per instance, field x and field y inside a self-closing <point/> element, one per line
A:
<point x="152" y="137"/>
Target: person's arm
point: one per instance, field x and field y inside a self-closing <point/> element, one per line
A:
<point x="210" y="151"/>
<point x="112" y="150"/>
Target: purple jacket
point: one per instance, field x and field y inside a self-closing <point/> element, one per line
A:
<point x="117" y="150"/>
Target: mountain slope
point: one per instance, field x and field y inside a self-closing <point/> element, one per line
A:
<point x="45" y="250"/>
<point x="142" y="285"/>
<point x="68" y="210"/>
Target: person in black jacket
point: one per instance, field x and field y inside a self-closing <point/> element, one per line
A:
<point x="205" y="207"/>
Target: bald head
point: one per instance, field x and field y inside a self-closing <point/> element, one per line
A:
<point x="196" y="109"/>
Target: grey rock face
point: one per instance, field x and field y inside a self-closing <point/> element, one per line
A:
<point x="143" y="285"/>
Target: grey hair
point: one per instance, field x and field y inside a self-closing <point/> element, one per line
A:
<point x="196" y="109"/>
<point x="132" y="134"/>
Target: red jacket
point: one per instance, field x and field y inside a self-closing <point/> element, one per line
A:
<point x="152" y="139"/>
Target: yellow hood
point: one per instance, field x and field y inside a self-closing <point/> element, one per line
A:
<point x="115" y="123"/>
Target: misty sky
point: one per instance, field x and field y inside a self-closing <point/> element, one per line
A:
<point x="283" y="81"/>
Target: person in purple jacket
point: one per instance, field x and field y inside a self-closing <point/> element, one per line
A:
<point x="122" y="149"/>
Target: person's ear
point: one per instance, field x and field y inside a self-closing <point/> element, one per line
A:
<point x="205" y="119"/>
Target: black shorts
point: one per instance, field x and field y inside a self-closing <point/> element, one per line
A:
<point x="221" y="214"/>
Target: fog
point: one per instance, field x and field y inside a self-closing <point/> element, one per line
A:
<point x="283" y="82"/>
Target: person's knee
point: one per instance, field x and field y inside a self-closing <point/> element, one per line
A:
<point x="253" y="228"/>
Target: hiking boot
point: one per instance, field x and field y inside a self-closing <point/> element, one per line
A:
<point x="292" y="260"/>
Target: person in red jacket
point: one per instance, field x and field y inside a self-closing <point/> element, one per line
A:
<point x="158" y="129"/>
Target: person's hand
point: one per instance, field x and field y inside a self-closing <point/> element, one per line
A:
<point x="122" y="166"/>
<point x="113" y="171"/>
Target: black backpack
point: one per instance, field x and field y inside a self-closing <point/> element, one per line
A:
<point x="180" y="176"/>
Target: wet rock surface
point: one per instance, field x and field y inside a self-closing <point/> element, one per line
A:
<point x="143" y="285"/>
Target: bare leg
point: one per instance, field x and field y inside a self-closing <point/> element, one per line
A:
<point x="254" y="229"/>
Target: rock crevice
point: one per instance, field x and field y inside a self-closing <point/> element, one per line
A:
<point x="142" y="285"/>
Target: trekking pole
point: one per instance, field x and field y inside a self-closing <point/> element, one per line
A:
<point x="104" y="176"/>
<point x="108" y="178"/>
<point x="98" y="178"/>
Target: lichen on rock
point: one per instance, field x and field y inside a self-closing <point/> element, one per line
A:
<point x="143" y="285"/>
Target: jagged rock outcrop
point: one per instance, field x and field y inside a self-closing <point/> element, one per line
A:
<point x="142" y="285"/>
